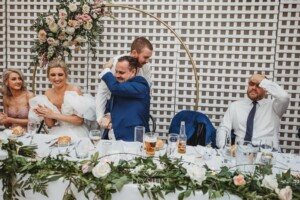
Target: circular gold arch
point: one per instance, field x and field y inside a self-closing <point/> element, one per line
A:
<point x="179" y="39"/>
<point x="168" y="27"/>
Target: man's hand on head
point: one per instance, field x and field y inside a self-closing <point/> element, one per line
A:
<point x="257" y="78"/>
<point x="109" y="64"/>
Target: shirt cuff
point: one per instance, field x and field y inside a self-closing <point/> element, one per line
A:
<point x="106" y="70"/>
<point x="264" y="83"/>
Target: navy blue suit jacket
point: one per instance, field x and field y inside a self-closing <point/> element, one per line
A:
<point x="129" y="105"/>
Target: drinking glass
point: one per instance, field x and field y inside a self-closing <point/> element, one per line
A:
<point x="32" y="127"/>
<point x="82" y="149"/>
<point x="63" y="147"/>
<point x="226" y="149"/>
<point x="95" y="136"/>
<point x="246" y="155"/>
<point x="139" y="132"/>
<point x="266" y="148"/>
<point x="150" y="143"/>
<point x="172" y="144"/>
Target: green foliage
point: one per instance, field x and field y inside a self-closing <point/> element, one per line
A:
<point x="155" y="177"/>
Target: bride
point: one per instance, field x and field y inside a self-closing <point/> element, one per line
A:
<point x="63" y="107"/>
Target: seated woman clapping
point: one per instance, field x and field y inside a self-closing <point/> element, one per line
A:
<point x="63" y="107"/>
<point x="15" y="99"/>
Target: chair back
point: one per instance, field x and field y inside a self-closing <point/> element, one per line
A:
<point x="199" y="129"/>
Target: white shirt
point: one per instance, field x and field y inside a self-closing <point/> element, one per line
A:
<point x="266" y="119"/>
<point x="103" y="93"/>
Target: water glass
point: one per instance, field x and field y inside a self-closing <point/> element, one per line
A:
<point x="266" y="148"/>
<point x="172" y="144"/>
<point x="246" y="154"/>
<point x="95" y="136"/>
<point x="139" y="132"/>
<point x="32" y="127"/>
<point x="82" y="149"/>
<point x="63" y="147"/>
<point x="226" y="149"/>
<point x="150" y="143"/>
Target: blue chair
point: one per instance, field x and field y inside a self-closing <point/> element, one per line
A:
<point x="199" y="129"/>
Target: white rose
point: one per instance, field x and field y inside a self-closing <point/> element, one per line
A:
<point x="137" y="169"/>
<point x="72" y="7"/>
<point x="62" y="13"/>
<point x="94" y="15"/>
<point x="270" y="182"/>
<point x="196" y="173"/>
<point x="53" y="27"/>
<point x="50" y="40"/>
<point x="70" y="30"/>
<point x="101" y="169"/>
<point x="285" y="193"/>
<point x="80" y="39"/>
<point x="66" y="44"/>
<point x="85" y="8"/>
<point x="88" y="26"/>
<point x="49" y="20"/>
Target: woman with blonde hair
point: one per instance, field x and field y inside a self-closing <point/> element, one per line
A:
<point x="63" y="107"/>
<point x="15" y="99"/>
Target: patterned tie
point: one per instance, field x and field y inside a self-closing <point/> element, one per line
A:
<point x="249" y="130"/>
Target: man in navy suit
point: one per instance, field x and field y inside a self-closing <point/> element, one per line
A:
<point x="130" y="102"/>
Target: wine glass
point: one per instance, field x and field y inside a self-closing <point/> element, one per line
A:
<point x="95" y="136"/>
<point x="31" y="129"/>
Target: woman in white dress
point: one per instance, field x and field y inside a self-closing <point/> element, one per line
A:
<point x="63" y="107"/>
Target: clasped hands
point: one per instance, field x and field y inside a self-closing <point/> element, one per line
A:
<point x="3" y="118"/>
<point x="43" y="111"/>
<point x="105" y="122"/>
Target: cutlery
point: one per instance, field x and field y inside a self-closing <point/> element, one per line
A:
<point x="71" y="149"/>
<point x="48" y="142"/>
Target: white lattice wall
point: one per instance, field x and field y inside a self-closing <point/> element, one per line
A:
<point x="228" y="39"/>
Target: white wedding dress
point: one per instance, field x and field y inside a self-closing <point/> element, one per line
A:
<point x="74" y="104"/>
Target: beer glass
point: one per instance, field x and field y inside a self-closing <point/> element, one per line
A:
<point x="150" y="143"/>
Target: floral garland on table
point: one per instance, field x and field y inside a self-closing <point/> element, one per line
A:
<point x="73" y="24"/>
<point x="154" y="177"/>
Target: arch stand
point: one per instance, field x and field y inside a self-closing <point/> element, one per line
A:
<point x="169" y="28"/>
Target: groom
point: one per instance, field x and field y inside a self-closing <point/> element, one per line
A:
<point x="130" y="102"/>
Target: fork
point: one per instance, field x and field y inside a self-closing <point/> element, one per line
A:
<point x="48" y="142"/>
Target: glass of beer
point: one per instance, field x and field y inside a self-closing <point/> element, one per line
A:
<point x="150" y="143"/>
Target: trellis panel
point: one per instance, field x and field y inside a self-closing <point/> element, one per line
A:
<point x="229" y="40"/>
<point x="287" y="70"/>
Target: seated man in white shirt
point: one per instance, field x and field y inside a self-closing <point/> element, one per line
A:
<point x="267" y="114"/>
<point x="141" y="49"/>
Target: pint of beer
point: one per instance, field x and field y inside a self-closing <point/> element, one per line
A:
<point x="150" y="143"/>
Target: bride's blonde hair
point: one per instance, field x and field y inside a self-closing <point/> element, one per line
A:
<point x="56" y="62"/>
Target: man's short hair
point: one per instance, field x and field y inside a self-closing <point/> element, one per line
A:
<point x="133" y="62"/>
<point x="140" y="43"/>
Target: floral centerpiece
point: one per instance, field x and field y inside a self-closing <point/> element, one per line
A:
<point x="73" y="24"/>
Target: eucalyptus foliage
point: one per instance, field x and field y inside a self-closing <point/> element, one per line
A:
<point x="155" y="177"/>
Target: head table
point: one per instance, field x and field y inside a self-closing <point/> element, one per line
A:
<point x="211" y="157"/>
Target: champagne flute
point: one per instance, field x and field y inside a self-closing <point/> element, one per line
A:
<point x="95" y="136"/>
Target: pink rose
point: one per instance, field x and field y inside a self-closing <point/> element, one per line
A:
<point x="239" y="180"/>
<point x="42" y="36"/>
<point x="285" y="193"/>
<point x="86" y="18"/>
<point x="86" y="167"/>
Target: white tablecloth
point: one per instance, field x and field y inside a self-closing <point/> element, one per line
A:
<point x="130" y="191"/>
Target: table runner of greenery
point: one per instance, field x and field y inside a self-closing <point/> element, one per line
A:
<point x="22" y="171"/>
